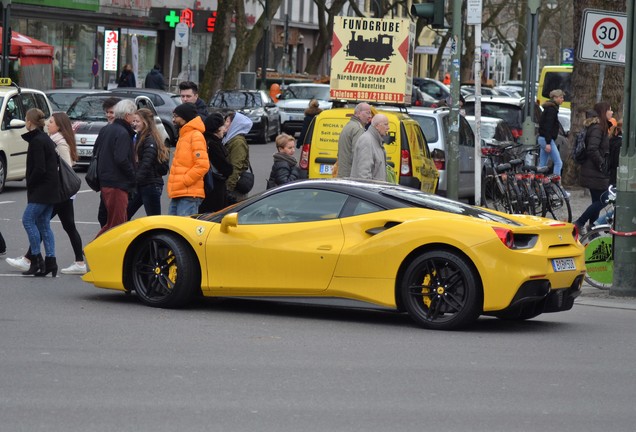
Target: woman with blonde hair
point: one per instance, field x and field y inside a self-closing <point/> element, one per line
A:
<point x="151" y="164"/>
<point x="312" y="111"/>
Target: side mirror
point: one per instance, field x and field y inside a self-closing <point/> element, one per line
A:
<point x="17" y="124"/>
<point x="229" y="220"/>
<point x="270" y="105"/>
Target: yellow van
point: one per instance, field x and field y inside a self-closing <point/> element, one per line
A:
<point x="408" y="152"/>
<point x="555" y="77"/>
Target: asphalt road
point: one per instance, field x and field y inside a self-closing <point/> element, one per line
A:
<point x="77" y="358"/>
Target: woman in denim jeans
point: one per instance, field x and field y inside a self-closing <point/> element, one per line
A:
<point x="43" y="191"/>
<point x="151" y="160"/>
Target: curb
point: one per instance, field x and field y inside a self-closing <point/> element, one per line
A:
<point x="591" y="296"/>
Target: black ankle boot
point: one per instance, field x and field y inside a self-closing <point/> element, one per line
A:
<point x="50" y="266"/>
<point x="37" y="265"/>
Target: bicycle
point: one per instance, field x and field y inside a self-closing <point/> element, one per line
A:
<point x="599" y="248"/>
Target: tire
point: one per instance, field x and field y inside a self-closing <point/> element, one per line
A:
<point x="165" y="271"/>
<point x="557" y="203"/>
<point x="3" y="173"/>
<point x="440" y="291"/>
<point x="276" y="132"/>
<point x="264" y="136"/>
<point x="599" y="257"/>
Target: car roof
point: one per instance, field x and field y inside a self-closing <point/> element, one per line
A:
<point x="498" y="100"/>
<point x="485" y="119"/>
<point x="142" y="90"/>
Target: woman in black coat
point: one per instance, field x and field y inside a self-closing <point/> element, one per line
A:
<point x="127" y="77"/>
<point x="594" y="173"/>
<point x="312" y="111"/>
<point x="216" y="198"/>
<point x="43" y="192"/>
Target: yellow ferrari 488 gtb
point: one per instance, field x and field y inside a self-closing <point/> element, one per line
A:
<point x="443" y="262"/>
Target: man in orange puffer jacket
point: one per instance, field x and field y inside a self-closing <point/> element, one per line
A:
<point x="190" y="163"/>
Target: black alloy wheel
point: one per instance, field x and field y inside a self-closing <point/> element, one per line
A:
<point x="165" y="271"/>
<point x="441" y="292"/>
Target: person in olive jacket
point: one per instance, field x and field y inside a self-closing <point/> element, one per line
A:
<point x="43" y="192"/>
<point x="115" y="167"/>
<point x="594" y="173"/>
<point x="216" y="198"/>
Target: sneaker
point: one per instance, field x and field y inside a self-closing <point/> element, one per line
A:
<point x="75" y="268"/>
<point x="21" y="263"/>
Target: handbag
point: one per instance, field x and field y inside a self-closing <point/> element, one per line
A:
<point x="70" y="182"/>
<point x="91" y="174"/>
<point x="245" y="182"/>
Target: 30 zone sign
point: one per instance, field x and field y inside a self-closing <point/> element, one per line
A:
<point x="603" y="37"/>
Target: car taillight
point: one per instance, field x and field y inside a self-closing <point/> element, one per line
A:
<point x="516" y="133"/>
<point x="506" y="236"/>
<point x="418" y="103"/>
<point x="440" y="160"/>
<point x="304" y="157"/>
<point x="405" y="163"/>
<point x="575" y="232"/>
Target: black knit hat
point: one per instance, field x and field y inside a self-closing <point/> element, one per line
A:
<point x="213" y="122"/>
<point x="186" y="111"/>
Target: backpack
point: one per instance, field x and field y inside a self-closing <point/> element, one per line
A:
<point x="579" y="152"/>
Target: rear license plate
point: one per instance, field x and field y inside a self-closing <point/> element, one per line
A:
<point x="326" y="169"/>
<point x="296" y="118"/>
<point x="563" y="264"/>
<point x="85" y="152"/>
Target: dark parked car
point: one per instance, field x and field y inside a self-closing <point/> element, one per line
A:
<point x="62" y="99"/>
<point x="164" y="102"/>
<point x="255" y="104"/>
<point x="507" y="108"/>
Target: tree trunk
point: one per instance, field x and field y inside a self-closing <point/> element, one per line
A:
<point x="219" y="51"/>
<point x="325" y="33"/>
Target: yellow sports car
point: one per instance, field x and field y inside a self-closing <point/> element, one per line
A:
<point x="443" y="262"/>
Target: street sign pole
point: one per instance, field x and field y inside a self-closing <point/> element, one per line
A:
<point x="625" y="247"/>
<point x="452" y="159"/>
<point x="528" y="137"/>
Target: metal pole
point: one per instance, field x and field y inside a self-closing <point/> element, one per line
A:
<point x="265" y="48"/>
<point x="6" y="36"/>
<point x="528" y="137"/>
<point x="625" y="247"/>
<point x="452" y="158"/>
<point x="477" y="156"/>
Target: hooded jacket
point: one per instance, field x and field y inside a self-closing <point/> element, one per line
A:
<point x="594" y="171"/>
<point x="549" y="122"/>
<point x="155" y="80"/>
<point x="237" y="148"/>
<point x="190" y="162"/>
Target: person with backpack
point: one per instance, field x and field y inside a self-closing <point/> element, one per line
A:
<point x="549" y="131"/>
<point x="594" y="173"/>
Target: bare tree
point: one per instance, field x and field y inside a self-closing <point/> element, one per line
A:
<point x="325" y="31"/>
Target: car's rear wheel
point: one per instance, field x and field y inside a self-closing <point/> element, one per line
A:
<point x="165" y="271"/>
<point x="440" y="291"/>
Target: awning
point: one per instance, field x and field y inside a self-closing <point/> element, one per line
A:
<point x="25" y="46"/>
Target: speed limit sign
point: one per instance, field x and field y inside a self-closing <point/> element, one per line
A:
<point x="603" y="37"/>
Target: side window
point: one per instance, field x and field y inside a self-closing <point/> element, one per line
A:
<point x="467" y="136"/>
<point x="13" y="111"/>
<point x="157" y="100"/>
<point x="40" y="101"/>
<point x="299" y="205"/>
<point x="28" y="101"/>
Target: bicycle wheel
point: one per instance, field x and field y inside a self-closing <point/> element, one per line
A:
<point x="492" y="195"/>
<point x="599" y="257"/>
<point x="558" y="204"/>
<point x="525" y="197"/>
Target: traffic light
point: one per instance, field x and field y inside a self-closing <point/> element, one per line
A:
<point x="432" y="11"/>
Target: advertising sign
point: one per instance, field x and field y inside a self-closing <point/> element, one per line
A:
<point x="603" y="37"/>
<point x="372" y="60"/>
<point x="111" y="48"/>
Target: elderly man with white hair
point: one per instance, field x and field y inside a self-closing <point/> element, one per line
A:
<point x="369" y="156"/>
<point x="115" y="167"/>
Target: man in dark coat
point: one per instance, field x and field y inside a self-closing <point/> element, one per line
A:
<point x="154" y="79"/>
<point x="549" y="131"/>
<point x="116" y="173"/>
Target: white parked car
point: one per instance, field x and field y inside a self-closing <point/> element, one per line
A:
<point x="14" y="103"/>
<point x="294" y="100"/>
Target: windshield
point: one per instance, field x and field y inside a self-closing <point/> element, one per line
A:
<point x="237" y="100"/>
<point x="306" y="92"/>
<point x="511" y="114"/>
<point x="429" y="127"/>
<point x="88" y="108"/>
<point x="62" y="101"/>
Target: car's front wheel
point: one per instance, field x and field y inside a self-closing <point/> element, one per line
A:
<point x="3" y="173"/>
<point x="440" y="291"/>
<point x="165" y="271"/>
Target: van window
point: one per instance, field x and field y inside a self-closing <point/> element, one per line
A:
<point x="557" y="80"/>
<point x="429" y="127"/>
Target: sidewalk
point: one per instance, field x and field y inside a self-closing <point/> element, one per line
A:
<point x="591" y="296"/>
